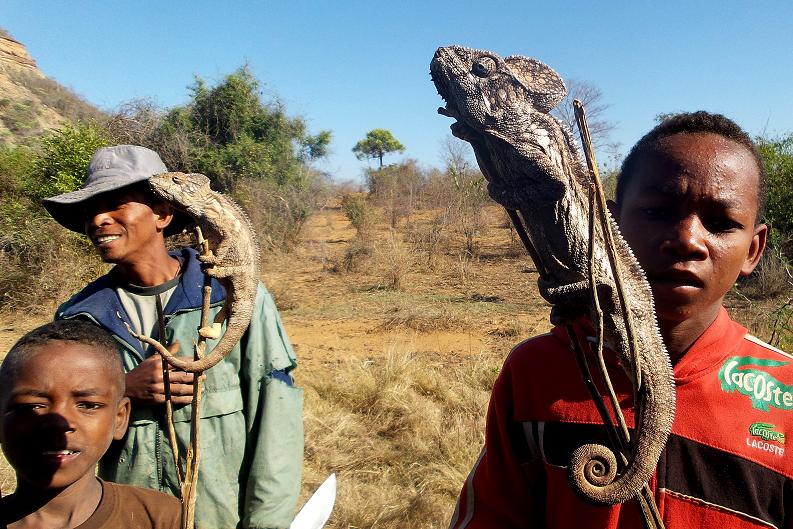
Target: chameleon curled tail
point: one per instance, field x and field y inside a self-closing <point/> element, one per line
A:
<point x="227" y="342"/>
<point x="593" y="468"/>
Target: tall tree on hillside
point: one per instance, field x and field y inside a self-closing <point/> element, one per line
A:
<point x="376" y="144"/>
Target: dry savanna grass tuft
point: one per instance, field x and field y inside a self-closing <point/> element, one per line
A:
<point x="400" y="432"/>
<point x="7" y="478"/>
<point x="426" y="319"/>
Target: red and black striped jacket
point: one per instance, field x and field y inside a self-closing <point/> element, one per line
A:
<point x="725" y="464"/>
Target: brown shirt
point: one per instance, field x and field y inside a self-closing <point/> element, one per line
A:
<point x="124" y="506"/>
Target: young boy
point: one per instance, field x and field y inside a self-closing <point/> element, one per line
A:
<point x="689" y="202"/>
<point x="62" y="403"/>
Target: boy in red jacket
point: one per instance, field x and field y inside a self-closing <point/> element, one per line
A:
<point x="690" y="199"/>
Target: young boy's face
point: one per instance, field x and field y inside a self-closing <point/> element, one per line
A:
<point x="689" y="213"/>
<point x="61" y="413"/>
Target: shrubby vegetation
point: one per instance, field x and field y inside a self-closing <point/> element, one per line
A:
<point x="772" y="281"/>
<point x="778" y="158"/>
<point x="250" y="148"/>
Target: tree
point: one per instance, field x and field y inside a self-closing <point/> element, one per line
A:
<point x="248" y="145"/>
<point x="376" y="144"/>
<point x="777" y="157"/>
<point x="65" y="153"/>
<point x="592" y="99"/>
<point x="228" y="132"/>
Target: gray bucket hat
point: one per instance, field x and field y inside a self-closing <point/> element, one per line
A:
<point x="110" y="169"/>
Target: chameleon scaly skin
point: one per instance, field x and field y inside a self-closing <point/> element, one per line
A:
<point x="532" y="166"/>
<point x="235" y="261"/>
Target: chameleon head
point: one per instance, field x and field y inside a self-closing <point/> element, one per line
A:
<point x="179" y="188"/>
<point x="484" y="91"/>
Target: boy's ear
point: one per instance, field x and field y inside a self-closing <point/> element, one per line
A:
<point x="164" y="213"/>
<point x="122" y="418"/>
<point x="755" y="249"/>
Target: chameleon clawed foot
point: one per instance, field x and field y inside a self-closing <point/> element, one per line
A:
<point x="210" y="332"/>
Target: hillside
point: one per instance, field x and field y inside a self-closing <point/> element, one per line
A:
<point x="30" y="102"/>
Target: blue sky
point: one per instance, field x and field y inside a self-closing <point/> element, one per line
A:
<point x="351" y="66"/>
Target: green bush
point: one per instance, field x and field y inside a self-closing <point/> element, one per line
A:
<point x="234" y="135"/>
<point x="65" y="153"/>
<point x="21" y="118"/>
<point x="777" y="156"/>
<point x="42" y="263"/>
<point x="361" y="214"/>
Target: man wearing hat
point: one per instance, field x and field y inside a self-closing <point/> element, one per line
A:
<point x="251" y="413"/>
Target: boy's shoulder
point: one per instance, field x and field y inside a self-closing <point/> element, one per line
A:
<point x="755" y="344"/>
<point x="134" y="508"/>
<point x="540" y="381"/>
<point x="541" y="355"/>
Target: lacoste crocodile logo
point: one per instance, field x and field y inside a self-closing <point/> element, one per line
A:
<point x="766" y="432"/>
<point x="738" y="373"/>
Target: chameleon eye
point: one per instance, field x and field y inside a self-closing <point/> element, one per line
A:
<point x="484" y="67"/>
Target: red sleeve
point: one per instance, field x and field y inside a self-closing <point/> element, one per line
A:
<point x="505" y="490"/>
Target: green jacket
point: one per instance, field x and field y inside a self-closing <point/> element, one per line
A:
<point x="251" y="412"/>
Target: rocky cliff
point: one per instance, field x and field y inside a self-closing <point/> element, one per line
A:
<point x="30" y="102"/>
<point x="14" y="53"/>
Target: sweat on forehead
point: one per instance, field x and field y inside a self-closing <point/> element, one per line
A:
<point x="77" y="331"/>
<point x="692" y="123"/>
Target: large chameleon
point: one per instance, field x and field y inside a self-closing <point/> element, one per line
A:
<point x="532" y="167"/>
<point x="235" y="261"/>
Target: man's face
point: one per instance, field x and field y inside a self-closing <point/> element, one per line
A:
<point x="61" y="414"/>
<point x="689" y="213"/>
<point x="123" y="226"/>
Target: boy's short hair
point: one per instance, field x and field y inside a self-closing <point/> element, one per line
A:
<point x="75" y="330"/>
<point x="691" y="123"/>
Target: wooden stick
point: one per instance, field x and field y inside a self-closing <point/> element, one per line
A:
<point x="650" y="515"/>
<point x="166" y="379"/>
<point x="193" y="457"/>
<point x="608" y="235"/>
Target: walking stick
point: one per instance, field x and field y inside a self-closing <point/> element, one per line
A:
<point x="193" y="456"/>
<point x="597" y="202"/>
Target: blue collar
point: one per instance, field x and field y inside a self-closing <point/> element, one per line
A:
<point x="99" y="300"/>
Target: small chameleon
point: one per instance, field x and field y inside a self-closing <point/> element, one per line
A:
<point x="532" y="166"/>
<point x="235" y="262"/>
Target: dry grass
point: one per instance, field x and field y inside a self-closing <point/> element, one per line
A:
<point x="426" y="318"/>
<point x="772" y="277"/>
<point x="7" y="477"/>
<point x="400" y="432"/>
<point x="394" y="259"/>
<point x="41" y="265"/>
